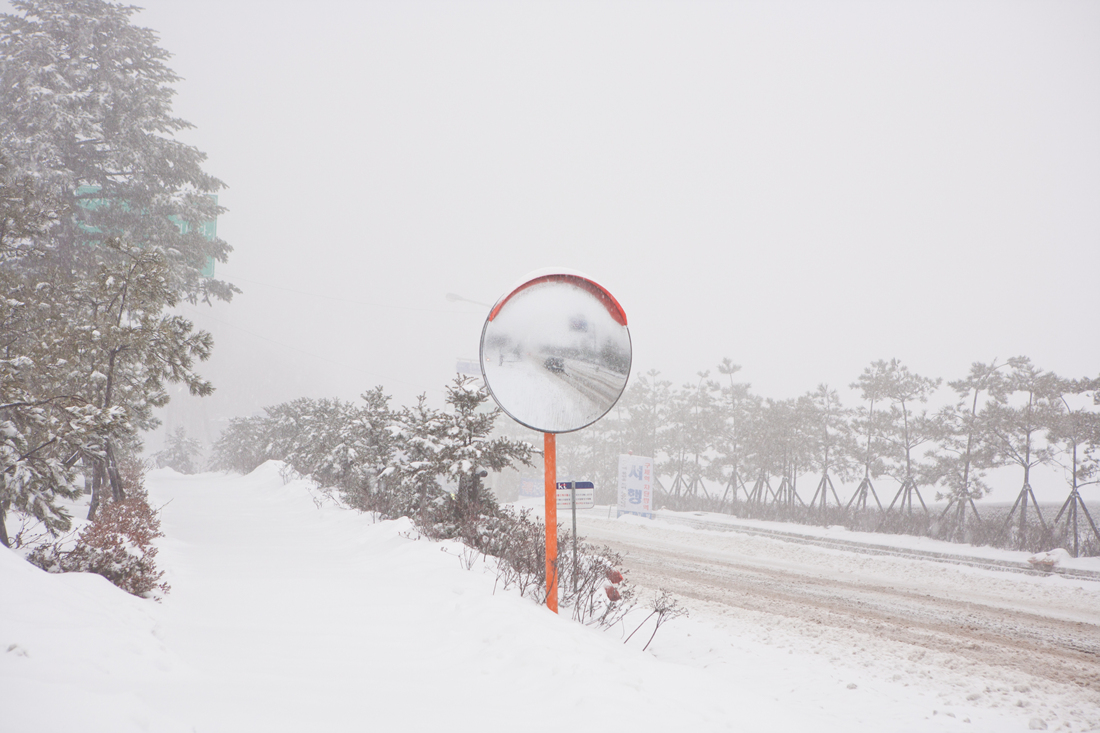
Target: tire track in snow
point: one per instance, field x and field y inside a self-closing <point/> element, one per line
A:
<point x="1060" y="650"/>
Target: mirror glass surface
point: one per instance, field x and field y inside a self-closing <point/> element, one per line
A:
<point x="555" y="353"/>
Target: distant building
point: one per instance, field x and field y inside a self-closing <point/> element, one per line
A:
<point x="208" y="229"/>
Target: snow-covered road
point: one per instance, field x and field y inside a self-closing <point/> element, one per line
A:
<point x="981" y="630"/>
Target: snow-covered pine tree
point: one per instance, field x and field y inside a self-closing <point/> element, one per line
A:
<point x="180" y="453"/>
<point x="88" y="121"/>
<point x="100" y="216"/>
<point x="35" y="434"/>
<point x="965" y="447"/>
<point x="868" y="423"/>
<point x="695" y="417"/>
<point x="468" y="451"/>
<point x="1075" y="433"/>
<point x="414" y="487"/>
<point x="776" y="446"/>
<point x="1026" y="404"/>
<point x="242" y="446"/>
<point x="904" y="430"/>
<point x="310" y="435"/>
<point x="370" y="446"/>
<point x="729" y="446"/>
<point x="828" y="436"/>
<point x="130" y="348"/>
<point x="648" y="431"/>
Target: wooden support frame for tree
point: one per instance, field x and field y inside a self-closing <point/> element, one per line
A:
<point x="859" y="499"/>
<point x="1021" y="503"/>
<point x="682" y="490"/>
<point x="1070" y="508"/>
<point x="761" y="490"/>
<point x="960" y="505"/>
<point x="697" y="485"/>
<point x="786" y="495"/>
<point x="824" y="486"/>
<point x="674" y="491"/>
<point x="735" y="482"/>
<point x="905" y="493"/>
<point x="659" y="488"/>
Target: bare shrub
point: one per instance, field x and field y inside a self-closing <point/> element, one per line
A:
<point x="118" y="544"/>
<point x="664" y="608"/>
<point x="518" y="543"/>
<point x="585" y="583"/>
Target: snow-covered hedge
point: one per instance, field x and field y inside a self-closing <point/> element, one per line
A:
<point x="428" y="465"/>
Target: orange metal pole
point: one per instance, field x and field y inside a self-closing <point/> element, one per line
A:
<point x="550" y="459"/>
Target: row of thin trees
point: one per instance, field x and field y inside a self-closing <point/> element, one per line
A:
<point x="719" y="446"/>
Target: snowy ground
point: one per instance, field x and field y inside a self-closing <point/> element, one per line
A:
<point x="989" y="639"/>
<point x="288" y="613"/>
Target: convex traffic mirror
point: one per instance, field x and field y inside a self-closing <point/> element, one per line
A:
<point x="555" y="352"/>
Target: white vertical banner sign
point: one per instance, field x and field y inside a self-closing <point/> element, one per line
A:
<point x="636" y="486"/>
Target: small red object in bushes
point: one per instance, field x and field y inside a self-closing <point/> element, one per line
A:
<point x="612" y="592"/>
<point x="614" y="575"/>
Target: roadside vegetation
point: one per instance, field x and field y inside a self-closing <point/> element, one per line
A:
<point x="106" y="224"/>
<point x="717" y="446"/>
<point x="429" y="464"/>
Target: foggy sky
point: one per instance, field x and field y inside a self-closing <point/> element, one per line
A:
<point x="802" y="187"/>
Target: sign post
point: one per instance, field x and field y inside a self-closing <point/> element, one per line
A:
<point x="573" y="506"/>
<point x="550" y="460"/>
<point x="587" y="500"/>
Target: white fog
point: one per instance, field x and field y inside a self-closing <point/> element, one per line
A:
<point x="803" y="188"/>
<point x="857" y="245"/>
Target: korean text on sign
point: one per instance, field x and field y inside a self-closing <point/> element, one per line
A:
<point x="635" y="485"/>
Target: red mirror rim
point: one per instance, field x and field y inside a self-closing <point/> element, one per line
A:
<point x="608" y="300"/>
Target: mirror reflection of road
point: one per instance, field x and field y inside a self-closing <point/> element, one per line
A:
<point x="595" y="383"/>
<point x="569" y="390"/>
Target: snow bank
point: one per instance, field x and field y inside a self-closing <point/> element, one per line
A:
<point x="286" y="615"/>
<point x="72" y="650"/>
